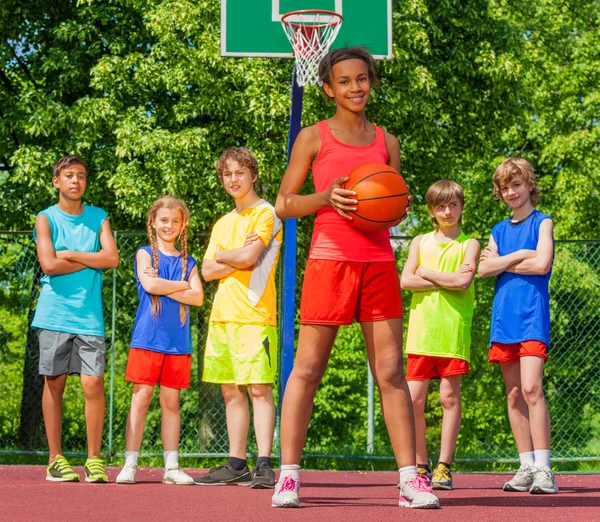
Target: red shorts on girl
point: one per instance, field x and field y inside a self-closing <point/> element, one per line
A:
<point x="337" y="292"/>
<point x="152" y="368"/>
<point x="425" y="367"/>
<point x="500" y="352"/>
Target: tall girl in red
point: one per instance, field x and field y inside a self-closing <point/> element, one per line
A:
<point x="349" y="275"/>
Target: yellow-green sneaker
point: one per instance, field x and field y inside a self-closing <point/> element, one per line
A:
<point x="442" y="477"/>
<point x="94" y="470"/>
<point x="61" y="471"/>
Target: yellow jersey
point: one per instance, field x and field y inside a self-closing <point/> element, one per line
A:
<point x="248" y="296"/>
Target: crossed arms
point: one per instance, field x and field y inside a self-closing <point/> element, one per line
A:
<point x="188" y="292"/>
<point x="226" y="262"/>
<point x="419" y="278"/>
<point x="525" y="262"/>
<point x="68" y="261"/>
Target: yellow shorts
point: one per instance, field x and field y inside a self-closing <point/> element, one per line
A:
<point x="240" y="354"/>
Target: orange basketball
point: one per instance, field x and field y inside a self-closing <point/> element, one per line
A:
<point x="382" y="196"/>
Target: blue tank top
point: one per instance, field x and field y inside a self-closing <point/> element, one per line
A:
<point x="521" y="306"/>
<point x="72" y="303"/>
<point x="165" y="333"/>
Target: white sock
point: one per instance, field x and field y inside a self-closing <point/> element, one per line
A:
<point x="407" y="473"/>
<point x="290" y="470"/>
<point x="171" y="459"/>
<point x="131" y="458"/>
<point x="542" y="458"/>
<point x="527" y="457"/>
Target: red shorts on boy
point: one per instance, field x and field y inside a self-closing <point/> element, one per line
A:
<point x="152" y="368"/>
<point x="337" y="292"/>
<point x="425" y="367"/>
<point x="500" y="352"/>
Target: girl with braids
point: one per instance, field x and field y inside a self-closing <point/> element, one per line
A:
<point x="161" y="345"/>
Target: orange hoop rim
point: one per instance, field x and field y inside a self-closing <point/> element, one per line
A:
<point x="301" y="25"/>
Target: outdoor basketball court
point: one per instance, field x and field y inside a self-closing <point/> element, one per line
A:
<point x="326" y="496"/>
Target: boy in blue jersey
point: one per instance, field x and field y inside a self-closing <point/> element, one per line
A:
<point x="74" y="245"/>
<point x="520" y="253"/>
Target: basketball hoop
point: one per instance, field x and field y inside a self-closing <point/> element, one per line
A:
<point x="311" y="33"/>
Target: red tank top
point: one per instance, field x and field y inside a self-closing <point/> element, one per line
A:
<point x="333" y="237"/>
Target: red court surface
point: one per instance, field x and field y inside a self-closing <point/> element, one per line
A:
<point x="326" y="496"/>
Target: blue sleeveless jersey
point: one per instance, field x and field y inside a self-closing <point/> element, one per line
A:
<point x="521" y="307"/>
<point x="72" y="303"/>
<point x="164" y="333"/>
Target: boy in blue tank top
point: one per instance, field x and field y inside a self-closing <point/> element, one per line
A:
<point x="74" y="245"/>
<point x="520" y="253"/>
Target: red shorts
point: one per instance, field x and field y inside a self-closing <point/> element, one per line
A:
<point x="425" y="367"/>
<point x="500" y="352"/>
<point x="337" y="292"/>
<point x="152" y="368"/>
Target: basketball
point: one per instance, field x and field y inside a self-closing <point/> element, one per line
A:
<point x="382" y="196"/>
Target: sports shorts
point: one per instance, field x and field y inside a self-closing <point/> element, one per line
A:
<point x="425" y="367"/>
<point x="152" y="368"/>
<point x="240" y="354"/>
<point x="73" y="354"/>
<point x="500" y="352"/>
<point x="337" y="292"/>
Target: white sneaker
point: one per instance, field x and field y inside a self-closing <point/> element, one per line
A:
<point x="522" y="481"/>
<point x="544" y="482"/>
<point x="127" y="474"/>
<point x="286" y="493"/>
<point x="417" y="494"/>
<point x="177" y="476"/>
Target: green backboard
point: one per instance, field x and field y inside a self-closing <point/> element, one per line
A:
<point x="253" y="27"/>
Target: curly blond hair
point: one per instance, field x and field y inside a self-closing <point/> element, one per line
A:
<point x="169" y="202"/>
<point x="512" y="168"/>
<point x="240" y="154"/>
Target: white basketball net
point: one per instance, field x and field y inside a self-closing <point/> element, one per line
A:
<point x="310" y="33"/>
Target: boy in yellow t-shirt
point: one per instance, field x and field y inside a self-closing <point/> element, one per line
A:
<point x="439" y="270"/>
<point x="241" y="351"/>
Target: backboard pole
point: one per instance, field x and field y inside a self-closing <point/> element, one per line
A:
<point x="286" y="335"/>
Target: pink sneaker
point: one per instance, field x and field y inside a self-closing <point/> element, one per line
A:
<point x="417" y="494"/>
<point x="286" y="493"/>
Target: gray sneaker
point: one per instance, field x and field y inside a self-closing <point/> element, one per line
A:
<point x="544" y="482"/>
<point x="522" y="481"/>
<point x="263" y="477"/>
<point x="224" y="475"/>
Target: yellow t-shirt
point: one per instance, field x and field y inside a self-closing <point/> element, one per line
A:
<point x="248" y="296"/>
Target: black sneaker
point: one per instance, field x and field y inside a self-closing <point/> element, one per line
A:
<point x="224" y="475"/>
<point x="263" y="477"/>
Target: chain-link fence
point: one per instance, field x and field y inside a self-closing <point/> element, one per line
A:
<point x="347" y="420"/>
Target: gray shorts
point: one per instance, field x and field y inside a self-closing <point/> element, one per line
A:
<point x="62" y="352"/>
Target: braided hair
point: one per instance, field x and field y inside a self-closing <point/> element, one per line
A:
<point x="168" y="202"/>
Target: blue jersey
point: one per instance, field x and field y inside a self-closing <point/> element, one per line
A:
<point x="521" y="307"/>
<point x="72" y="303"/>
<point x="164" y="333"/>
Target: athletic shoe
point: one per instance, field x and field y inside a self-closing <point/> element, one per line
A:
<point x="286" y="493"/>
<point x="423" y="471"/>
<point x="522" y="481"/>
<point x="127" y="474"/>
<point x="263" y="477"/>
<point x="177" y="477"/>
<point x="442" y="477"/>
<point x="544" y="482"/>
<point x="224" y="475"/>
<point x="61" y="471"/>
<point x="94" y="470"/>
<point x="417" y="494"/>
